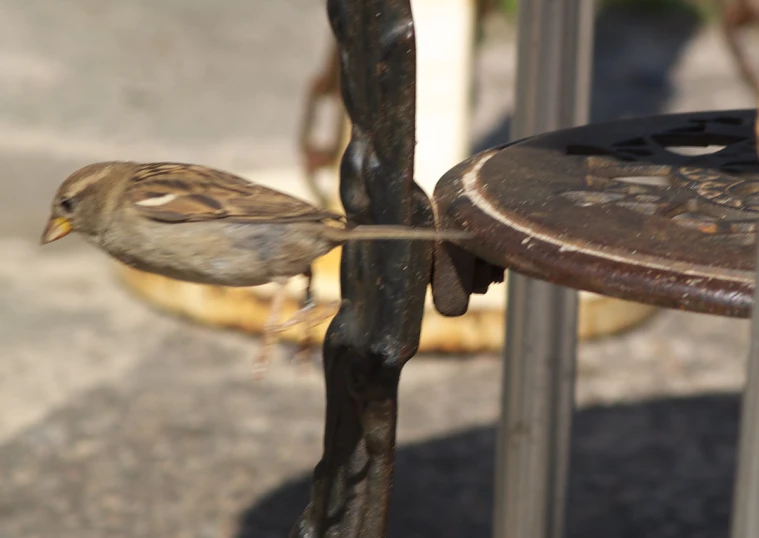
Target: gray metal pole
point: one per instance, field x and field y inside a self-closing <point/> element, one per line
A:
<point x="553" y="91"/>
<point x="745" y="521"/>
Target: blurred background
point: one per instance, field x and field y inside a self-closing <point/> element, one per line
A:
<point x="118" y="420"/>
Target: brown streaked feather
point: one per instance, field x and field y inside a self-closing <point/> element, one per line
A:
<point x="188" y="193"/>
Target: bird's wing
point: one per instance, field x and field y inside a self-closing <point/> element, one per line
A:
<point x="173" y="192"/>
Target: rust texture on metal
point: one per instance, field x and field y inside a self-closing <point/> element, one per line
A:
<point x="659" y="210"/>
<point x="383" y="283"/>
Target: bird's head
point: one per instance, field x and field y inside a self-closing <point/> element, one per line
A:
<point x="80" y="203"/>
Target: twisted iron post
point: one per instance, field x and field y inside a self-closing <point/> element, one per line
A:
<point x="383" y="283"/>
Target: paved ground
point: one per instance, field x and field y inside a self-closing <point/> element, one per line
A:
<point x="116" y="421"/>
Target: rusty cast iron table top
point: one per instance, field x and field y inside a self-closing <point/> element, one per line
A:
<point x="659" y="210"/>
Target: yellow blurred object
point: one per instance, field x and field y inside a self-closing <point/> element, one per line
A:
<point x="479" y="330"/>
<point x="445" y="41"/>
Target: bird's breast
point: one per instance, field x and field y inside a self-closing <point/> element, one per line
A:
<point x="218" y="252"/>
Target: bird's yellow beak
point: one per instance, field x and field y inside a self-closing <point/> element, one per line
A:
<point x="56" y="228"/>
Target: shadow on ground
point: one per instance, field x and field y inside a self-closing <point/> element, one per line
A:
<point x="656" y="469"/>
<point x="634" y="53"/>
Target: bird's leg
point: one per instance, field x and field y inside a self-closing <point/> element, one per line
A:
<point x="271" y="329"/>
<point x="306" y="314"/>
<point x="311" y="319"/>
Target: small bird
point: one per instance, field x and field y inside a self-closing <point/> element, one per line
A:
<point x="198" y="224"/>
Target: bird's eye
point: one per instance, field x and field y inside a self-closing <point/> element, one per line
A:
<point x="67" y="204"/>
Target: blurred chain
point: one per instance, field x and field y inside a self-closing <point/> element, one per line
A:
<point x="734" y="15"/>
<point x="324" y="87"/>
<point x="383" y="282"/>
<point x="324" y="91"/>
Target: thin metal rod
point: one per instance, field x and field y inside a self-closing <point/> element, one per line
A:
<point x="537" y="402"/>
<point x="553" y="89"/>
<point x="745" y="520"/>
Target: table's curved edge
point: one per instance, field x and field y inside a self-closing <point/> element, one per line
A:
<point x="504" y="246"/>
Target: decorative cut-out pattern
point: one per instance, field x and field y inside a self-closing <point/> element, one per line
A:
<point x="703" y="175"/>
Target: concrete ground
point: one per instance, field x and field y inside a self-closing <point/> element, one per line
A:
<point x="118" y="421"/>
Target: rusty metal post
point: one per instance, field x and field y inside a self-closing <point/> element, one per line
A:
<point x="553" y="90"/>
<point x="745" y="520"/>
<point x="383" y="283"/>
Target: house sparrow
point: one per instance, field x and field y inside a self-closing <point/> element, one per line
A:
<point x="197" y="224"/>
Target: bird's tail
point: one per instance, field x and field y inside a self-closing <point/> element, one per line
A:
<point x="389" y="232"/>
